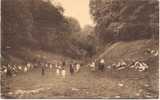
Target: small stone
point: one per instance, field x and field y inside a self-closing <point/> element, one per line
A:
<point x="19" y="92"/>
<point x="146" y="85"/>
<point x="147" y="93"/>
<point x="10" y="93"/>
<point x="121" y="68"/>
<point x="137" y="94"/>
<point x="109" y="67"/>
<point x="117" y="96"/>
<point x="120" y="84"/>
<point x="148" y="96"/>
<point x="75" y="89"/>
<point x="132" y="66"/>
<point x="140" y="90"/>
<point x="87" y="92"/>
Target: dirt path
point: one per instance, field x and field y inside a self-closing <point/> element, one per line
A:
<point x="84" y="84"/>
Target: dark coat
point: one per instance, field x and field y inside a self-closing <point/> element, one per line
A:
<point x="71" y="69"/>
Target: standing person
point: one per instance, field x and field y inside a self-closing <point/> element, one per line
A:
<point x="58" y="68"/>
<point x="63" y="63"/>
<point x="8" y="70"/>
<point x="25" y="69"/>
<point x="63" y="72"/>
<point x="101" y="65"/>
<point x="71" y="69"/>
<point x="93" y="66"/>
<point x="28" y="66"/>
<point x="50" y="66"/>
<point x="37" y="63"/>
<point x="42" y="69"/>
<point x="77" y="67"/>
<point x="46" y="65"/>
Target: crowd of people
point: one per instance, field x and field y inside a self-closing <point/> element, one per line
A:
<point x="11" y="69"/>
<point x="74" y="67"/>
<point x="100" y="64"/>
<point x="60" y="68"/>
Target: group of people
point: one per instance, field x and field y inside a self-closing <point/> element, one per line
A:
<point x="100" y="64"/>
<point x="45" y="66"/>
<point x="11" y="69"/>
<point x="61" y="67"/>
<point x="74" y="68"/>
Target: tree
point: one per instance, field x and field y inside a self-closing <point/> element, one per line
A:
<point x="124" y="19"/>
<point x="37" y="24"/>
<point x="31" y="22"/>
<point x="73" y="25"/>
<point x="16" y="23"/>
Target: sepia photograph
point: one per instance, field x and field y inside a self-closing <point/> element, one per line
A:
<point x="79" y="49"/>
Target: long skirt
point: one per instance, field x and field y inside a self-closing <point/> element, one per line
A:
<point x="25" y="69"/>
<point x="63" y="73"/>
<point x="57" y="71"/>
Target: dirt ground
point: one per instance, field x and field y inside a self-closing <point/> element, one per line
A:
<point x="84" y="84"/>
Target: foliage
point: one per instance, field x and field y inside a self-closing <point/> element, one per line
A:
<point x="125" y="19"/>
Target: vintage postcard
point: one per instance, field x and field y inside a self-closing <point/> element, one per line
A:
<point x="79" y="49"/>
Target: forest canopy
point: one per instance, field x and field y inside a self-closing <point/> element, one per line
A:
<point x="41" y="25"/>
<point x="125" y="19"/>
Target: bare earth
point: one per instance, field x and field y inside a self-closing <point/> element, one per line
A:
<point x="85" y="84"/>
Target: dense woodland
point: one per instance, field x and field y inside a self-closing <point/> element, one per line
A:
<point x="40" y="24"/>
<point x="121" y="20"/>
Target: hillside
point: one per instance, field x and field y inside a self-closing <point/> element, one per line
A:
<point x="23" y="55"/>
<point x="128" y="52"/>
<point x="133" y="50"/>
<point x="112" y="83"/>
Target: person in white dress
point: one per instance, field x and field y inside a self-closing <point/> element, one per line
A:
<point x="58" y="68"/>
<point x="50" y="67"/>
<point x="77" y="67"/>
<point x="63" y="72"/>
<point x="25" y="69"/>
<point x="93" y="66"/>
